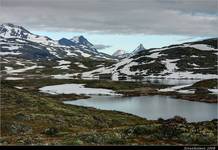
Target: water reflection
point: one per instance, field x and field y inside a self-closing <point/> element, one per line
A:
<point x="157" y="81"/>
<point x="152" y="107"/>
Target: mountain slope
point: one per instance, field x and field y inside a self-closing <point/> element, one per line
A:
<point x="189" y="60"/>
<point x="66" y="42"/>
<point x="16" y="41"/>
<point x="138" y="49"/>
<point x="120" y="54"/>
<point x="26" y="55"/>
<point x="81" y="40"/>
<point x="9" y="30"/>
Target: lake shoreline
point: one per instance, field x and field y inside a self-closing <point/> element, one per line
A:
<point x="141" y="107"/>
<point x="189" y="97"/>
<point x="32" y="118"/>
<point x="126" y="88"/>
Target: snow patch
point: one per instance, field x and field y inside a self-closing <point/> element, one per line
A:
<point x="64" y="67"/>
<point x="9" y="53"/>
<point x="64" y="62"/>
<point x="69" y="53"/>
<point x="20" y="63"/>
<point x="75" y="89"/>
<point x="214" y="91"/>
<point x="154" y="55"/>
<point x="18" y="87"/>
<point x="83" y="54"/>
<point x="174" y="88"/>
<point x="13" y="78"/>
<point x="203" y="47"/>
<point x="186" y="91"/>
<point x="80" y="65"/>
<point x="170" y="64"/>
<point x="12" y="47"/>
<point x="11" y="71"/>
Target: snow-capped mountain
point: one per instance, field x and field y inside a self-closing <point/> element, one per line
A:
<point x="138" y="49"/>
<point x="188" y="60"/>
<point x="120" y="54"/>
<point x="9" y="30"/>
<point x="66" y="42"/>
<point x="81" y="40"/>
<point x="78" y="41"/>
<point x="18" y="42"/>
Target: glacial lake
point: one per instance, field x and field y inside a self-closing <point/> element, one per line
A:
<point x="152" y="107"/>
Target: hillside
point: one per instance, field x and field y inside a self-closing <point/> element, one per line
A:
<point x="193" y="60"/>
<point x="24" y="53"/>
<point x="39" y="119"/>
<point x="17" y="41"/>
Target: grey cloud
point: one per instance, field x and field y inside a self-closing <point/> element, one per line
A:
<point x="101" y="46"/>
<point x="183" y="17"/>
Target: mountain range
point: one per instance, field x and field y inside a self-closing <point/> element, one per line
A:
<point x="192" y="60"/>
<point x="23" y="51"/>
<point x="16" y="40"/>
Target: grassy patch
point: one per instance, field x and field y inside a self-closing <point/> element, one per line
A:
<point x="29" y="117"/>
<point x="209" y="84"/>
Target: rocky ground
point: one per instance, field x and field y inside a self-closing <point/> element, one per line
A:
<point x="32" y="118"/>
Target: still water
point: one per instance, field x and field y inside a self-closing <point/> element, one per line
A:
<point x="157" y="81"/>
<point x="169" y="81"/>
<point x="152" y="107"/>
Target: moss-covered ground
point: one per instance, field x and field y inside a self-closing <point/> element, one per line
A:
<point x="29" y="117"/>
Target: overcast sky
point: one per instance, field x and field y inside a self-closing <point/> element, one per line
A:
<point x="184" y="18"/>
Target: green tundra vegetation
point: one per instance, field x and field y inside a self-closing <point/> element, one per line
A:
<point x="210" y="84"/>
<point x="29" y="117"/>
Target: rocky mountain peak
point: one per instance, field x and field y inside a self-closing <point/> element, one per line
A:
<point x="139" y="49"/>
<point x="9" y="30"/>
